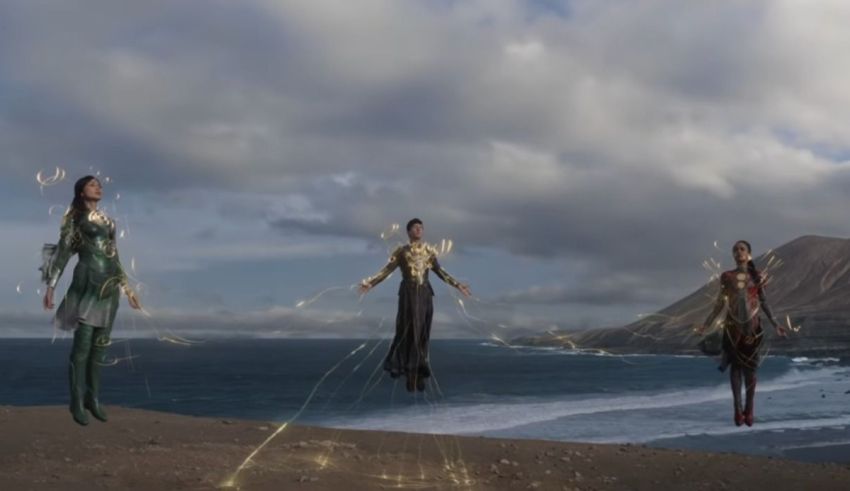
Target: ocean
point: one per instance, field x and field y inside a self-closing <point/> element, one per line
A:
<point x="478" y="388"/>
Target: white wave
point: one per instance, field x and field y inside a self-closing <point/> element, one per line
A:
<point x="829" y="443"/>
<point x="727" y="429"/>
<point x="489" y="345"/>
<point x="806" y="360"/>
<point x="447" y="418"/>
<point x="580" y="351"/>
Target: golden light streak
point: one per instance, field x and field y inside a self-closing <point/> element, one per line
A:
<point x="563" y="338"/>
<point x="231" y="482"/>
<point x="174" y="339"/>
<point x="52" y="208"/>
<point x="500" y="340"/>
<point x="168" y="337"/>
<point x="791" y="327"/>
<point x="445" y="247"/>
<point x="117" y="360"/>
<point x="447" y="458"/>
<point x="302" y="303"/>
<point x="44" y="180"/>
<point x="466" y="313"/>
<point x="357" y="367"/>
<point x="390" y="231"/>
<point x="643" y="334"/>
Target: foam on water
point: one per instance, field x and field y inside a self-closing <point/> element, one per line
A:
<point x="484" y="417"/>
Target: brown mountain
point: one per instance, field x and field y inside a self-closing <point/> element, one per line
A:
<point x="809" y="282"/>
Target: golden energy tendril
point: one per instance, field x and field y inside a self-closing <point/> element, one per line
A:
<point x="390" y="231"/>
<point x="314" y="298"/>
<point x="45" y="180"/>
<point x="231" y="482"/>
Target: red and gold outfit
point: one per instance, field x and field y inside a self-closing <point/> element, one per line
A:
<point x="742" y="294"/>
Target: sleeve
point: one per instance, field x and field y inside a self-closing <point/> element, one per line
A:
<point x="392" y="264"/>
<point x="442" y="273"/>
<point x="67" y="247"/>
<point x="766" y="308"/>
<point x="718" y="304"/>
<point x="122" y="276"/>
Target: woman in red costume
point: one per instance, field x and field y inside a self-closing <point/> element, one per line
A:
<point x="742" y="293"/>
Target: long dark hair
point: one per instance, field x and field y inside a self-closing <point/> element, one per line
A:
<point x="751" y="266"/>
<point x="78" y="204"/>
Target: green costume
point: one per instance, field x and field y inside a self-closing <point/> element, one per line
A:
<point x="90" y="304"/>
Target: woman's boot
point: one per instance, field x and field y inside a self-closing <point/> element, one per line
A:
<point x="77" y="373"/>
<point x="96" y="360"/>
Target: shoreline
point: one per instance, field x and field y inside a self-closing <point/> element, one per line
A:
<point x="840" y="355"/>
<point x="138" y="449"/>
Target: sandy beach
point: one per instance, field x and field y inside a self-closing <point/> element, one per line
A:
<point x="142" y="450"/>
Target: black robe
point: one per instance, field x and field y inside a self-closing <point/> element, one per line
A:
<point x="408" y="352"/>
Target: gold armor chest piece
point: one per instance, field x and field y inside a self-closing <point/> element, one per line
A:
<point x="418" y="258"/>
<point x="95" y="234"/>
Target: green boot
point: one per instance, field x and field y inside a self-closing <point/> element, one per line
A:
<point x="77" y="372"/>
<point x="96" y="359"/>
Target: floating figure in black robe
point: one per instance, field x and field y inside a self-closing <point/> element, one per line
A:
<point x="408" y="354"/>
<point x="742" y="294"/>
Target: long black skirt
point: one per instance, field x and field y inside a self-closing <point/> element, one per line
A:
<point x="409" y="349"/>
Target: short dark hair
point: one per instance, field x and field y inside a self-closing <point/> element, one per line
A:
<point x="413" y="222"/>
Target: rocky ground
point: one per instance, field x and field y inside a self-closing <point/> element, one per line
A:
<point x="41" y="448"/>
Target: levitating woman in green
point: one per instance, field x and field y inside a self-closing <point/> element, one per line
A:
<point x="91" y="302"/>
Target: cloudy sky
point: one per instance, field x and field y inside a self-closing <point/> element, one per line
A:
<point x="582" y="155"/>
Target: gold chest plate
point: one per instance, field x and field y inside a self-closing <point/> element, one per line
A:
<point x="419" y="259"/>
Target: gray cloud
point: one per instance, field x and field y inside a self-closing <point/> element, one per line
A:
<point x="598" y="291"/>
<point x="625" y="139"/>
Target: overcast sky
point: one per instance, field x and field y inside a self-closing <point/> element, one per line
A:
<point x="583" y="156"/>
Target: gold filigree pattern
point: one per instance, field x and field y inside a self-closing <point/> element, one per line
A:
<point x="419" y="258"/>
<point x="99" y="218"/>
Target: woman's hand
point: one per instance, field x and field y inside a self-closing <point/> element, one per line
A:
<point x="133" y="299"/>
<point x="48" y="298"/>
<point x="464" y="289"/>
<point x="364" y="288"/>
<point x="781" y="331"/>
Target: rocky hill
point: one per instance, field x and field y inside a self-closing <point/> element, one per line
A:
<point x="809" y="282"/>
